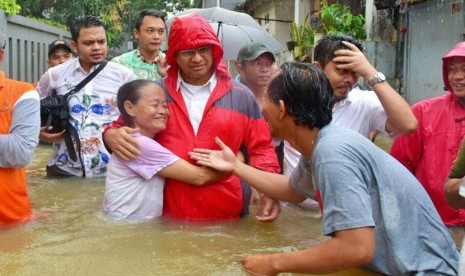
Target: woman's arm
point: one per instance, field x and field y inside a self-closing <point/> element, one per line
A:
<point x="274" y="185"/>
<point x="186" y="172"/>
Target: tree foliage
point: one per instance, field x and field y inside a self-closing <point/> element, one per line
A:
<point x="119" y="15"/>
<point x="10" y="7"/>
<point x="338" y="19"/>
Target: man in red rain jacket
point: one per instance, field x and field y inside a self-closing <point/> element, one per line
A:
<point x="205" y="104"/>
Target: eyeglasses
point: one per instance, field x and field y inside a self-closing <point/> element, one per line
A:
<point x="203" y="51"/>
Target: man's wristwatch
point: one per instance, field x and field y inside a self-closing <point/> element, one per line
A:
<point x="377" y="78"/>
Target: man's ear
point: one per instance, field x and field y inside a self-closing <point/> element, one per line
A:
<point x="282" y="109"/>
<point x="239" y="67"/>
<point x="136" y="33"/>
<point x="317" y="64"/>
<point x="74" y="46"/>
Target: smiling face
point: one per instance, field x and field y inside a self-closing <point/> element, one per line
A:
<point x="196" y="65"/>
<point x="456" y="76"/>
<point x="150" y="113"/>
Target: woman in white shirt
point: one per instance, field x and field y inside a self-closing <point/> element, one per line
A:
<point x="134" y="188"/>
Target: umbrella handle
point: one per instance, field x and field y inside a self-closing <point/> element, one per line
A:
<point x="218" y="30"/>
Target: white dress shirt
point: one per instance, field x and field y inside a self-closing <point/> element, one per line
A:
<point x="196" y="98"/>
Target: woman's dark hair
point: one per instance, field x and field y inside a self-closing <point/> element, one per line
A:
<point x="306" y="93"/>
<point x="129" y="92"/>
<point x="329" y="44"/>
<point x="86" y="21"/>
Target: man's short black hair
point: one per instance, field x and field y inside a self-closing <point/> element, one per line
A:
<point x="306" y="93"/>
<point x="86" y="21"/>
<point x="148" y="12"/>
<point x="329" y="44"/>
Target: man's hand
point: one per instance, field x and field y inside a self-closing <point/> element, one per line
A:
<point x="270" y="209"/>
<point x="355" y="60"/>
<point x="259" y="265"/>
<point x="162" y="66"/>
<point x="121" y="142"/>
<point x="50" y="137"/>
<point x="222" y="160"/>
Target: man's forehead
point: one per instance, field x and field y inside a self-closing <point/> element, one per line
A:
<point x="456" y="60"/>
<point x="151" y="19"/>
<point x="93" y="30"/>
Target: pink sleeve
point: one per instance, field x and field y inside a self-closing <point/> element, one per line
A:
<point x="153" y="158"/>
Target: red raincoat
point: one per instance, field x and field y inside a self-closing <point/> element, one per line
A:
<point x="231" y="113"/>
<point x="430" y="151"/>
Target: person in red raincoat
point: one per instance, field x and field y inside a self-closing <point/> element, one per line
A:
<point x="430" y="151"/>
<point x="205" y="104"/>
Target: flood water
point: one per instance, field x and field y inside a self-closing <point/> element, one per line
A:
<point x="71" y="236"/>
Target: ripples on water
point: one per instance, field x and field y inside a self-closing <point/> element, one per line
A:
<point x="71" y="236"/>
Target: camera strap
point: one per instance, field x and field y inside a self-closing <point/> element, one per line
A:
<point x="71" y="131"/>
<point x="85" y="81"/>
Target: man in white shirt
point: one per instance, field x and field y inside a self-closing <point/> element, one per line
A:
<point x="92" y="108"/>
<point x="383" y="109"/>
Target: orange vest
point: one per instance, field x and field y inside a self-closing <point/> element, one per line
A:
<point x="14" y="201"/>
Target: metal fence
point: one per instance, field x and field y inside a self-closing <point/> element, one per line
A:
<point x="26" y="50"/>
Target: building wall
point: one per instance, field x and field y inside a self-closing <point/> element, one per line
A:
<point x="432" y="29"/>
<point x="281" y="14"/>
<point x="26" y="51"/>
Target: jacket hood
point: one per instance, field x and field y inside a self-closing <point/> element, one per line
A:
<point x="457" y="51"/>
<point x="189" y="32"/>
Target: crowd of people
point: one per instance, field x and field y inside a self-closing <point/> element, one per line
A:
<point x="176" y="136"/>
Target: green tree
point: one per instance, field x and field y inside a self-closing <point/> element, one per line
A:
<point x="10" y="7"/>
<point x="117" y="14"/>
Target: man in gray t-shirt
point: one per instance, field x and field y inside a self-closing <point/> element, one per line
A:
<point x="361" y="185"/>
<point x="377" y="214"/>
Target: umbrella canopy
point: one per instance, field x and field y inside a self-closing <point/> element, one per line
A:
<point x="234" y="30"/>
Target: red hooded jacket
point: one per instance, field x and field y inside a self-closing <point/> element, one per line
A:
<point x="231" y="113"/>
<point x="430" y="151"/>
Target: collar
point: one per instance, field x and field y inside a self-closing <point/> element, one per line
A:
<point x="345" y="101"/>
<point x="211" y="82"/>
<point x="77" y="67"/>
<point x="139" y="56"/>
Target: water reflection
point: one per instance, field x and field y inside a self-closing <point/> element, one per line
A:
<point x="71" y="236"/>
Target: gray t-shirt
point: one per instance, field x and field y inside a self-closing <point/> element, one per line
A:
<point x="362" y="186"/>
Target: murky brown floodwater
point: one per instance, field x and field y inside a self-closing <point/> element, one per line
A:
<point x="73" y="237"/>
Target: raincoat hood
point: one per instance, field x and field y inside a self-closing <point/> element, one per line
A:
<point x="457" y="51"/>
<point x="189" y="32"/>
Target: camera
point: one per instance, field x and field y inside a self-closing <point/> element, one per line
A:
<point x="54" y="111"/>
